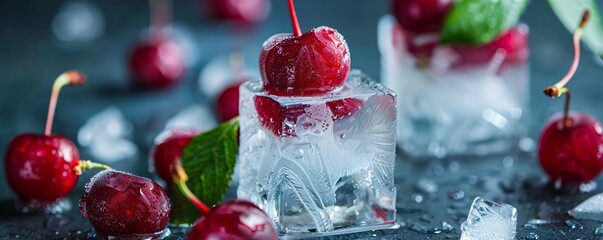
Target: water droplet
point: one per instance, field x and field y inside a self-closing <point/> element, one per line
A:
<point x="508" y="161"/>
<point x="532" y="236"/>
<point x="573" y="224"/>
<point x="446" y="226"/>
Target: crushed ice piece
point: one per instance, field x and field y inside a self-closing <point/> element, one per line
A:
<point x="587" y="187"/>
<point x="446" y="226"/>
<point x="490" y="220"/>
<point x="196" y="117"/>
<point x="456" y="195"/>
<point x="532" y="236"/>
<point x="426" y="185"/>
<point x="599" y="231"/>
<point x="108" y="136"/>
<point x="573" y="224"/>
<point x="591" y="209"/>
<point x="78" y="21"/>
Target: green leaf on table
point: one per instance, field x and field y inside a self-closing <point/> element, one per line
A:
<point x="570" y="12"/>
<point x="209" y="161"/>
<point x="480" y="21"/>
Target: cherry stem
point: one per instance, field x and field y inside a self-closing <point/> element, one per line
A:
<point x="85" y="165"/>
<point x="180" y="178"/>
<point x="160" y="14"/>
<point x="296" y="30"/>
<point x="66" y="78"/>
<point x="559" y="88"/>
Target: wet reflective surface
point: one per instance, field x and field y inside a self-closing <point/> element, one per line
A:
<point x="433" y="197"/>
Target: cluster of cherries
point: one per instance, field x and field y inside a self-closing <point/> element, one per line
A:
<point x="421" y="22"/>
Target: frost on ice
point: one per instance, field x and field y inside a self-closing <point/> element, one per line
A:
<point x="490" y="220"/>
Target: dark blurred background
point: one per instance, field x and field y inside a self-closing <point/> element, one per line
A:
<point x="32" y="55"/>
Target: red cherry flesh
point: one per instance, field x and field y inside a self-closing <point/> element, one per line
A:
<point x="344" y="107"/>
<point x="39" y="168"/>
<point x="120" y="204"/>
<point x="237" y="220"/>
<point x="421" y="16"/>
<point x="572" y="154"/>
<point x="244" y="11"/>
<point x="227" y="104"/>
<point x="168" y="149"/>
<point x="157" y="64"/>
<point x="316" y="62"/>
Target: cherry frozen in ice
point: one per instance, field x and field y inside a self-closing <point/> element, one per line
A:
<point x="157" y="62"/>
<point x="122" y="205"/>
<point x="42" y="169"/>
<point x="168" y="148"/>
<point x="313" y="63"/>
<point x="244" y="11"/>
<point x="570" y="148"/>
<point x="421" y="16"/>
<point x="235" y="219"/>
<point x="513" y="43"/>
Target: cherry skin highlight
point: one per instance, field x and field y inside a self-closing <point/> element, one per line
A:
<point x="572" y="154"/>
<point x="119" y="204"/>
<point x="237" y="220"/>
<point x="244" y="11"/>
<point x="314" y="63"/>
<point x="155" y="64"/>
<point x="227" y="104"/>
<point x="168" y="149"/>
<point x="39" y="168"/>
<point x="421" y="16"/>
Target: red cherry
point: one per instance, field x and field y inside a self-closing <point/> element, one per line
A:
<point x="245" y="11"/>
<point x="235" y="219"/>
<point x="315" y="62"/>
<point x="572" y="154"/>
<point x="168" y="149"/>
<point x="39" y="168"/>
<point x="421" y="16"/>
<point x="513" y="43"/>
<point x="422" y="45"/>
<point x="120" y="204"/>
<point x="157" y="63"/>
<point x="227" y="104"/>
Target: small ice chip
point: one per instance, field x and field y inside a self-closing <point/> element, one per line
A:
<point x="591" y="209"/>
<point x="490" y="220"/>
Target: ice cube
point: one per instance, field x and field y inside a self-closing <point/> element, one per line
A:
<point x="196" y="117"/>
<point x="78" y="21"/>
<point x="490" y="220"/>
<point x="108" y="136"/>
<point x="591" y="209"/>
<point x="321" y="163"/>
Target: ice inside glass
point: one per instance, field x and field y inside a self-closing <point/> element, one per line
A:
<point x="320" y="165"/>
<point x="463" y="100"/>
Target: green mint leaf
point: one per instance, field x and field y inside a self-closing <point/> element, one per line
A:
<point x="480" y="21"/>
<point x="570" y="12"/>
<point x="209" y="161"/>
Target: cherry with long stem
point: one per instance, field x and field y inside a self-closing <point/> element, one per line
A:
<point x="559" y="88"/>
<point x="296" y="30"/>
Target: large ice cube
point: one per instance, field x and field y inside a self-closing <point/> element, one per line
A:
<point x="591" y="209"/>
<point x="320" y="164"/>
<point x="490" y="220"/>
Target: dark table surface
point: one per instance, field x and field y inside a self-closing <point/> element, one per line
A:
<point x="31" y="57"/>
